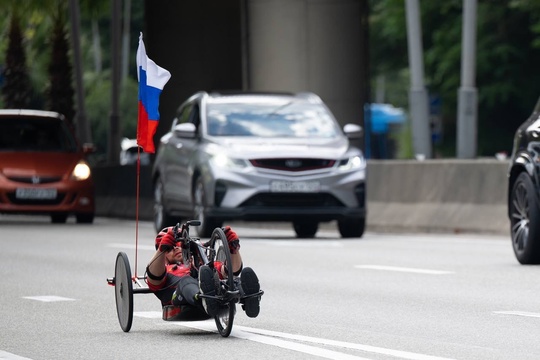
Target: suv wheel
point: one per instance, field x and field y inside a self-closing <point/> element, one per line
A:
<point x="162" y="218"/>
<point x="208" y="224"/>
<point x="352" y="227"/>
<point x="524" y="220"/>
<point x="306" y="229"/>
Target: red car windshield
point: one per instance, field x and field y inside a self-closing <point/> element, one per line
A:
<point x="35" y="134"/>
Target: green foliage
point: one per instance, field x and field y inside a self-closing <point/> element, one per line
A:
<point x="508" y="51"/>
<point x="98" y="104"/>
<point x="17" y="88"/>
<point x="60" y="92"/>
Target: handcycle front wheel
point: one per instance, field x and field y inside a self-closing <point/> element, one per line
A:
<point x="123" y="290"/>
<point x="218" y="243"/>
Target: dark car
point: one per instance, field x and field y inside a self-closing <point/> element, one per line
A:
<point x="43" y="168"/>
<point x="260" y="157"/>
<point x="524" y="190"/>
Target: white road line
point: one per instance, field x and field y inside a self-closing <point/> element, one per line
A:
<point x="48" y="298"/>
<point x="518" y="313"/>
<point x="9" y="356"/>
<point x="272" y="338"/>
<point x="301" y="244"/>
<point x="403" y="269"/>
<point x="131" y="246"/>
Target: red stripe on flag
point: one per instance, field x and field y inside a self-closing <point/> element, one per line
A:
<point x="143" y="131"/>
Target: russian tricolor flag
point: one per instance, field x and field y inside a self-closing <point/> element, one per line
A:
<point x="152" y="79"/>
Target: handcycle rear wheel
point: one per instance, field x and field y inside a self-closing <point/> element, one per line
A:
<point x="123" y="290"/>
<point x="219" y="244"/>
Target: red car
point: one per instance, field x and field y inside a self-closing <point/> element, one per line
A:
<point x="43" y="168"/>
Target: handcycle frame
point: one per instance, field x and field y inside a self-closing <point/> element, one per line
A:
<point x="195" y="252"/>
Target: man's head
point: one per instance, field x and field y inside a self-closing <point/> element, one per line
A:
<point x="172" y="253"/>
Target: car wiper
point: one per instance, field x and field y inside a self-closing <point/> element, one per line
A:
<point x="279" y="108"/>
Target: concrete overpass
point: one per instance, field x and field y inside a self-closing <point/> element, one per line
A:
<point x="261" y="45"/>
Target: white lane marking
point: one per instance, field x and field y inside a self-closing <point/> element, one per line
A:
<point x="9" y="356"/>
<point x="131" y="246"/>
<point x="518" y="313"/>
<point x="361" y="347"/>
<point x="270" y="338"/>
<point x="48" y="298"/>
<point x="403" y="269"/>
<point x="302" y="244"/>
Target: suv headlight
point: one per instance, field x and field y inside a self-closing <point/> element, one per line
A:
<point x="352" y="163"/>
<point x="81" y="171"/>
<point x="223" y="161"/>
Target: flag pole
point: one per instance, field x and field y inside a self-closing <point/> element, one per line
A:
<point x="137" y="208"/>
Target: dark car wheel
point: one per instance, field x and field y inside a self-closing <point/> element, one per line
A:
<point x="84" y="218"/>
<point x="59" y="218"/>
<point x="305" y="229"/>
<point x="208" y="224"/>
<point x="162" y="218"/>
<point x="352" y="227"/>
<point x="525" y="220"/>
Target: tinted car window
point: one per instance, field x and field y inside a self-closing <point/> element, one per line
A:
<point x="35" y="134"/>
<point x="291" y="119"/>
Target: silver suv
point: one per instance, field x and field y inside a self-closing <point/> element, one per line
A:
<point x="259" y="157"/>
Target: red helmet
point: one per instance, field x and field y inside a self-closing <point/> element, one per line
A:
<point x="164" y="231"/>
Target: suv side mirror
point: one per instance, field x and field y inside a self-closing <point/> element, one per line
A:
<point x="353" y="131"/>
<point x="185" y="130"/>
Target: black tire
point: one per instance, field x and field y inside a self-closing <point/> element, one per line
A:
<point x="525" y="220"/>
<point x="123" y="290"/>
<point x="85" y="218"/>
<point x="352" y="228"/>
<point x="59" y="218"/>
<point x="218" y="243"/>
<point x="162" y="218"/>
<point x="305" y="229"/>
<point x="208" y="224"/>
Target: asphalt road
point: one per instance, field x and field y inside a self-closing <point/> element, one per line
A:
<point x="385" y="296"/>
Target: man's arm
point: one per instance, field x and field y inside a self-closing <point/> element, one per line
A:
<point x="155" y="270"/>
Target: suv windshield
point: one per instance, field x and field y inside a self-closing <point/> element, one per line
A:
<point x="288" y="119"/>
<point x="35" y="134"/>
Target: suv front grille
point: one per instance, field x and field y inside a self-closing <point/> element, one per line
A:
<point x="293" y="164"/>
<point x="292" y="200"/>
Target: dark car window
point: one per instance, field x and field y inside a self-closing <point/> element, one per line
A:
<point x="537" y="107"/>
<point x="291" y="119"/>
<point x="183" y="114"/>
<point x="35" y="134"/>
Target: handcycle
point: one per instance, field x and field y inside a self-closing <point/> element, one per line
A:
<point x="228" y="293"/>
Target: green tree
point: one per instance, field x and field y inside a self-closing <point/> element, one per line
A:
<point x="60" y="92"/>
<point x="17" y="87"/>
<point x="508" y="44"/>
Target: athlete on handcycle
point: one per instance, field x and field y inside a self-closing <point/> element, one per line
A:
<point x="182" y="286"/>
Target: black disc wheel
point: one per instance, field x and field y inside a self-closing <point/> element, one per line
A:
<point x="123" y="290"/>
<point x="219" y="244"/>
<point x="525" y="220"/>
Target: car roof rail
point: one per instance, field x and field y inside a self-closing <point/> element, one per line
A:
<point x="311" y="97"/>
<point x="240" y="92"/>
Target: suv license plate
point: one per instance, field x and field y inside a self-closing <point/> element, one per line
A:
<point x="295" y="186"/>
<point x="30" y="193"/>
